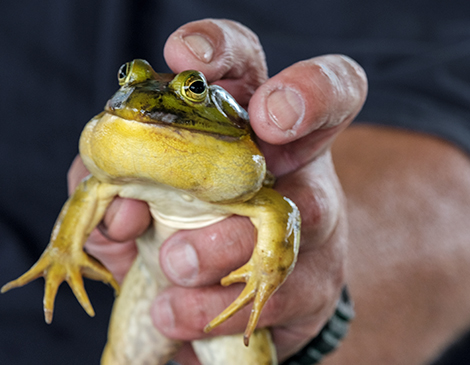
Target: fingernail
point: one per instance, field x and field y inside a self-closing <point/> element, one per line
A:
<point x="182" y="262"/>
<point x="162" y="312"/>
<point x="200" y="46"/>
<point x="285" y="108"/>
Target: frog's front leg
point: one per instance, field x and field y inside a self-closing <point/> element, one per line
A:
<point x="64" y="258"/>
<point x="277" y="221"/>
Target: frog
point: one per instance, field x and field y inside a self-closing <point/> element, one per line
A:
<point x="186" y="148"/>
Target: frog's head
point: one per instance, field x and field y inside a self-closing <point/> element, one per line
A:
<point x="184" y="100"/>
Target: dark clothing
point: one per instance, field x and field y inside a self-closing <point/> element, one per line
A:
<point x="58" y="65"/>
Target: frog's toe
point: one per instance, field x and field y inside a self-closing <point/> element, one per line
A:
<point x="89" y="267"/>
<point x="241" y="275"/>
<point x="35" y="272"/>
<point x="258" y="289"/>
<point x="263" y="293"/>
<point x="75" y="282"/>
<point x="243" y="299"/>
<point x="71" y="270"/>
<point x="54" y="275"/>
<point x="53" y="280"/>
<point x="58" y="267"/>
<point x="94" y="270"/>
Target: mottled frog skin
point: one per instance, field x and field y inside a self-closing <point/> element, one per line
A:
<point x="185" y="148"/>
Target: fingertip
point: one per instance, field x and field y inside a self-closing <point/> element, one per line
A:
<point x="316" y="94"/>
<point x="358" y="74"/>
<point x="183" y="313"/>
<point x="198" y="45"/>
<point x="203" y="256"/>
<point x="125" y="219"/>
<point x="162" y="313"/>
<point x="180" y="262"/>
<point x="225" y="51"/>
<point x="286" y="108"/>
<point x="176" y="312"/>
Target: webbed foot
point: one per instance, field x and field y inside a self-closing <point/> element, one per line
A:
<point x="260" y="285"/>
<point x="57" y="265"/>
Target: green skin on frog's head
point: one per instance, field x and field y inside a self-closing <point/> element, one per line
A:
<point x="184" y="100"/>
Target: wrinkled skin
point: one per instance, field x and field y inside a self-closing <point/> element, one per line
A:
<point x="309" y="104"/>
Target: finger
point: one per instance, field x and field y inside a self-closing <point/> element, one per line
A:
<point x="204" y="256"/>
<point x="318" y="93"/>
<point x="310" y="103"/>
<point x="221" y="49"/>
<point x="125" y="219"/>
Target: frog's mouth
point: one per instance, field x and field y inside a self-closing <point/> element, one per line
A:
<point x="150" y="104"/>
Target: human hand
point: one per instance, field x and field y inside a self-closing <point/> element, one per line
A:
<point x="296" y="115"/>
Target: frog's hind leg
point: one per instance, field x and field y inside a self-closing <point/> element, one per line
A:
<point x="132" y="338"/>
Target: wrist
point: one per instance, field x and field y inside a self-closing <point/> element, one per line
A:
<point x="329" y="337"/>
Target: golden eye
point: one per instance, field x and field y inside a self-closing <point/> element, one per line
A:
<point x="123" y="73"/>
<point x="135" y="72"/>
<point x="195" y="87"/>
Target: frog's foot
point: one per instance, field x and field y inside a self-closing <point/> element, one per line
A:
<point x="260" y="285"/>
<point x="56" y="267"/>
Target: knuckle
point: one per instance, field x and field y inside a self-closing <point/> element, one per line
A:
<point x="243" y="52"/>
<point x="320" y="216"/>
<point x="316" y="190"/>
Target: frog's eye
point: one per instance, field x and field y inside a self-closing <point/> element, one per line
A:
<point x="123" y="73"/>
<point x="195" y="87"/>
<point x="134" y="72"/>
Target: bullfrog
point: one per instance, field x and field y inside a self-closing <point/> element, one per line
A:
<point x="187" y="149"/>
